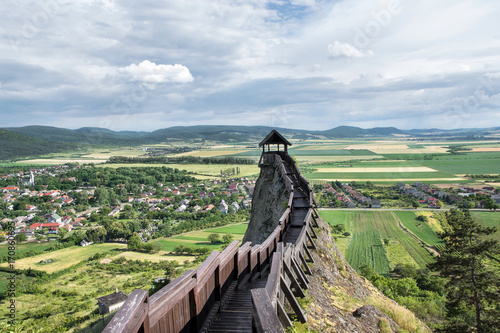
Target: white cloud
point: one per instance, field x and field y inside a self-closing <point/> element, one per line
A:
<point x="339" y="50"/>
<point x="248" y="57"/>
<point x="149" y="72"/>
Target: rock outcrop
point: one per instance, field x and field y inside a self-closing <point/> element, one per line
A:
<point x="269" y="202"/>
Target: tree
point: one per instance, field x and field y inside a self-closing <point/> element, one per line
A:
<point x="20" y="237"/>
<point x="214" y="238"/>
<point x="134" y="242"/>
<point x="473" y="288"/>
<point x="62" y="232"/>
<point x="489" y="203"/>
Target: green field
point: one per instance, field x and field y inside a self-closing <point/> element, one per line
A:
<point x="378" y="175"/>
<point x="369" y="230"/>
<point x="420" y="229"/>
<point x="25" y="247"/>
<point x="200" y="238"/>
<point x="466" y="165"/>
<point x="489" y="219"/>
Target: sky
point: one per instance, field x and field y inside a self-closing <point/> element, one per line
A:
<point x="305" y="64"/>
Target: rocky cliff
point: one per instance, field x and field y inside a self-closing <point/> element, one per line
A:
<point x="269" y="202"/>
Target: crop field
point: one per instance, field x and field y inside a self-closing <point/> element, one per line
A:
<point x="420" y="229"/>
<point x="209" y="170"/>
<point x="468" y="165"/>
<point x="366" y="246"/>
<point x="370" y="230"/>
<point x="387" y="225"/>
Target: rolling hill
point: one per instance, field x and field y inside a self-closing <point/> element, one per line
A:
<point x="14" y="145"/>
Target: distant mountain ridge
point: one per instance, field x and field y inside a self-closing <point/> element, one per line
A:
<point x="224" y="133"/>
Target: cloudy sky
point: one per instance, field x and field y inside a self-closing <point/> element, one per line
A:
<point x="309" y="64"/>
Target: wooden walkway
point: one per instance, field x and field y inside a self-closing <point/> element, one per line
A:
<point x="236" y="314"/>
<point x="243" y="288"/>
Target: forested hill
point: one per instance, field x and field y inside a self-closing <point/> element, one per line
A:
<point x="225" y="133"/>
<point x="13" y="145"/>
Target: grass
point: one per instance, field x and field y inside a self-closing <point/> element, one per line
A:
<point x="153" y="257"/>
<point x="25" y="247"/>
<point x="72" y="296"/>
<point x="387" y="225"/>
<point x="65" y="258"/>
<point x="402" y="316"/>
<point x="489" y="219"/>
<point x="420" y="229"/>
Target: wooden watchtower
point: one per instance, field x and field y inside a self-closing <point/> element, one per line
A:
<point x="273" y="141"/>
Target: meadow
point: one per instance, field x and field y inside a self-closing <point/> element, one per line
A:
<point x="64" y="258"/>
<point x="70" y="298"/>
<point x="200" y="238"/>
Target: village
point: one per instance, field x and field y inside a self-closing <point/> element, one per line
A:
<point x="40" y="211"/>
<point x="416" y="195"/>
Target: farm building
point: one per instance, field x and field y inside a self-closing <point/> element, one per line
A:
<point x="111" y="302"/>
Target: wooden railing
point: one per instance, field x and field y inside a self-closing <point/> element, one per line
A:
<point x="188" y="302"/>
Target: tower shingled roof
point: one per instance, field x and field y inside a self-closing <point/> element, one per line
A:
<point x="274" y="137"/>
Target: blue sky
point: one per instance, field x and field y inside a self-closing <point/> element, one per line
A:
<point x="309" y="64"/>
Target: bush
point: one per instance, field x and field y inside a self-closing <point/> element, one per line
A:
<point x="339" y="228"/>
<point x="214" y="238"/>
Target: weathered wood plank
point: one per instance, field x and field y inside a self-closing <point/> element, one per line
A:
<point x="301" y="316"/>
<point x="304" y="263"/>
<point x="309" y="255"/>
<point x="273" y="279"/>
<point x="299" y="272"/>
<point x="265" y="317"/>
<point x="312" y="246"/>
<point x="131" y="314"/>
<point x="294" y="282"/>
